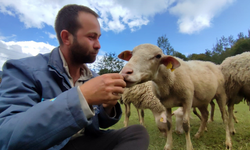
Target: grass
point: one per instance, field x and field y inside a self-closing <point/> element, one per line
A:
<point x="212" y="140"/>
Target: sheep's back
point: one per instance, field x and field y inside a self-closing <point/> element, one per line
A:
<point x="236" y="71"/>
<point x="206" y="77"/>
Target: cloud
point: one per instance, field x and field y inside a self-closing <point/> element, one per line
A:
<point x="52" y="36"/>
<point x="114" y="15"/>
<point x="22" y="49"/>
<point x="93" y="66"/>
<point x="118" y="15"/>
<point x="195" y="15"/>
<point x="7" y="37"/>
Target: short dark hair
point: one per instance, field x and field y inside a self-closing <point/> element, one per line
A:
<point x="66" y="19"/>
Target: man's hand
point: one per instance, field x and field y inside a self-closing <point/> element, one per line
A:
<point x="105" y="89"/>
<point x="108" y="107"/>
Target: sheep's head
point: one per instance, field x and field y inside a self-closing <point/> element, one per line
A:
<point x="143" y="63"/>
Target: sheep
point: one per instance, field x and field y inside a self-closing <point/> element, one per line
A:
<point x="192" y="84"/>
<point x="212" y="113"/>
<point x="236" y="71"/>
<point x="178" y="113"/>
<point x="142" y="97"/>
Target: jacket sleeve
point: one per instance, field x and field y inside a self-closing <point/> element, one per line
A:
<point x="105" y="120"/>
<point x="26" y="122"/>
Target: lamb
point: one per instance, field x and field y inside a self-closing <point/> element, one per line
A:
<point x="142" y="97"/>
<point x="236" y="71"/>
<point x="192" y="84"/>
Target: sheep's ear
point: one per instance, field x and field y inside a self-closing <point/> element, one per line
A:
<point x="170" y="62"/>
<point x="163" y="118"/>
<point x="125" y="55"/>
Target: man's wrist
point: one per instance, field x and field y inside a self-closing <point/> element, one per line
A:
<point x="110" y="110"/>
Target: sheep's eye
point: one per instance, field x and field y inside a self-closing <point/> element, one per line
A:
<point x="158" y="56"/>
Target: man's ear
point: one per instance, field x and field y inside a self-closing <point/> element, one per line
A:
<point x="125" y="55"/>
<point x="67" y="38"/>
<point x="170" y="62"/>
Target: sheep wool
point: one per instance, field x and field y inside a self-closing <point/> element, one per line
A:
<point x="236" y="71"/>
<point x="142" y="97"/>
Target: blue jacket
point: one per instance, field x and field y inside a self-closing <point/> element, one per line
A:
<point x="38" y="107"/>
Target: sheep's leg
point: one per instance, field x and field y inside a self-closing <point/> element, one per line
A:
<point x="196" y="113"/>
<point x="125" y="122"/>
<point x="142" y="117"/>
<point x="169" y="142"/>
<point x="231" y="123"/>
<point x="186" y="125"/>
<point x="221" y="100"/>
<point x="212" y="111"/>
<point x="139" y="115"/>
<point x="204" y="113"/>
<point x="127" y="114"/>
<point x="235" y="119"/>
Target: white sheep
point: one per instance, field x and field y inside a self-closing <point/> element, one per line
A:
<point x="178" y="113"/>
<point x="236" y="71"/>
<point x="192" y="84"/>
<point x="142" y="97"/>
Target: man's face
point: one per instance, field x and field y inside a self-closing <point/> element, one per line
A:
<point x="86" y="44"/>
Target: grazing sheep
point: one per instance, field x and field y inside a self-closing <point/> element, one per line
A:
<point x="236" y="71"/>
<point x="192" y="84"/>
<point x="178" y="113"/>
<point x="142" y="97"/>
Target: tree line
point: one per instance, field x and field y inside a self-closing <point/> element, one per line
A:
<point x="224" y="47"/>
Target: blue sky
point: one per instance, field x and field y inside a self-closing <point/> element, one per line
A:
<point x="26" y="27"/>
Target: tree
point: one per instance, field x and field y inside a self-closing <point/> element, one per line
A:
<point x="109" y="63"/>
<point x="220" y="50"/>
<point x="197" y="57"/>
<point x="241" y="35"/>
<point x="164" y="44"/>
<point x="180" y="55"/>
<point x="242" y="45"/>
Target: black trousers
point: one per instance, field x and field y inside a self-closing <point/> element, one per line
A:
<point x="134" y="137"/>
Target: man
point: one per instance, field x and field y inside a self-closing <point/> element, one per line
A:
<point x="54" y="101"/>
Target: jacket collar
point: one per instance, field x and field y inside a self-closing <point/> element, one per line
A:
<point x="56" y="67"/>
<point x="55" y="61"/>
<point x="56" y="64"/>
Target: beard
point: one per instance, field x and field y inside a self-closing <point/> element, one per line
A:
<point x="80" y="53"/>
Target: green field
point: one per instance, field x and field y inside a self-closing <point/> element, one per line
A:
<point x="212" y="140"/>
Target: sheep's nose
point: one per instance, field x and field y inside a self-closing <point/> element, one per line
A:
<point x="126" y="71"/>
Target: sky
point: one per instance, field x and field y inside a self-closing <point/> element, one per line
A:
<point x="191" y="26"/>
